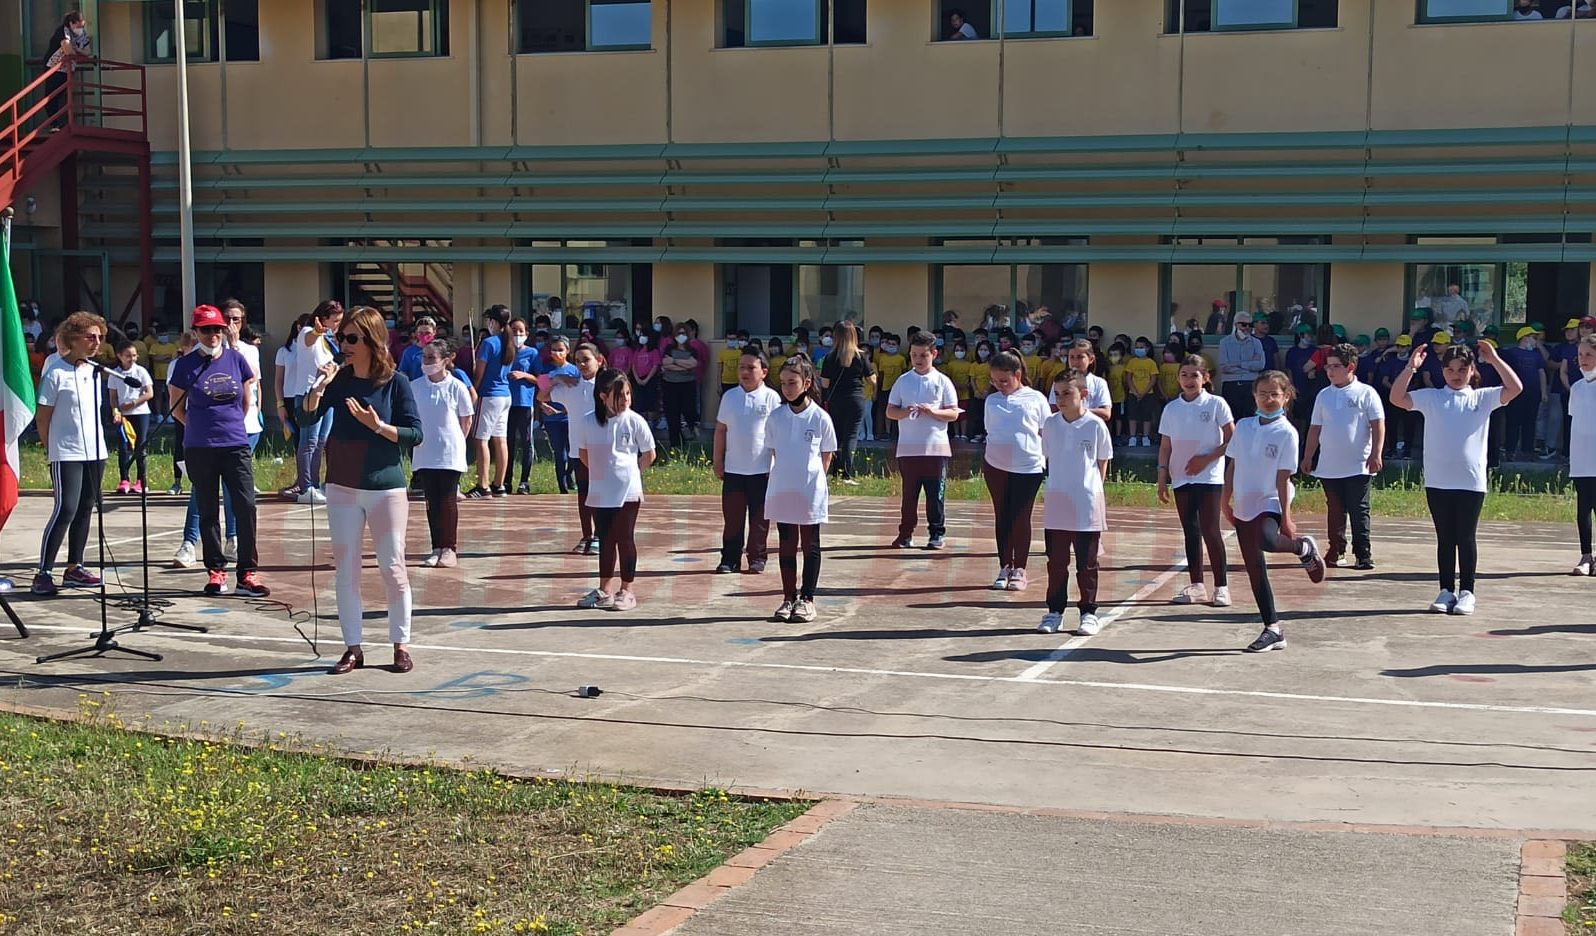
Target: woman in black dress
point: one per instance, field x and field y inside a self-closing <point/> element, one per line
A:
<point x="842" y="381"/>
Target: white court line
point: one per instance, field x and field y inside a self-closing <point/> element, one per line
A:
<point x="1037" y="669"/>
<point x="908" y="674"/>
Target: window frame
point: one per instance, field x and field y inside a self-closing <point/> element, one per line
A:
<point x="821" y="37"/>
<point x="1423" y="18"/>
<point x="1216" y="26"/>
<point x="437" y="9"/>
<point x="590" y="46"/>
<point x="1067" y="32"/>
<point x="211" y="21"/>
<point x="939" y="282"/>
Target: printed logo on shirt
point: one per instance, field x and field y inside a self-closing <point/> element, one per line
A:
<point x="219" y="387"/>
<point x="811" y="435"/>
<point x="1271" y="450"/>
<point x="1205" y="416"/>
<point x="623" y="438"/>
<point x="1088" y="446"/>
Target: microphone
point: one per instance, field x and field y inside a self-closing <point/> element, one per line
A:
<point x="127" y="379"/>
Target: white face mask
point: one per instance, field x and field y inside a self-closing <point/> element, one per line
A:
<point x="825" y="341"/>
<point x="432" y="370"/>
<point x="734" y="344"/>
<point x="209" y="351"/>
<point x="681" y="339"/>
<point x="959" y="355"/>
<point x="1528" y="344"/>
<point x="1589" y="374"/>
<point x="520" y="341"/>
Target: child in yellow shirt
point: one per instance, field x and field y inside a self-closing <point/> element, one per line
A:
<point x="1141" y="382"/>
<point x="778" y="357"/>
<point x="867" y="429"/>
<point x="728" y="358"/>
<point x="1054" y="361"/>
<point x="958" y="370"/>
<point x="890" y="365"/>
<point x="1116" y="387"/>
<point x="1034" y="358"/>
<point x="980" y="386"/>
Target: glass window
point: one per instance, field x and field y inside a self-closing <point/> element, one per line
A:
<point x="1464" y="11"/>
<point x="1205" y="15"/>
<point x="199" y="32"/>
<point x="241" y="30"/>
<point x="339" y="33"/>
<point x="1285" y="294"/>
<point x="999" y="295"/>
<point x="1453" y="291"/>
<point x="407" y="27"/>
<point x="829" y="293"/>
<point x="1036" y="17"/>
<point x="974" y="20"/>
<point x="621" y="24"/>
<point x="758" y="297"/>
<point x="600" y="291"/>
<point x="783" y="22"/>
<point x="584" y="25"/>
<point x="1254" y="14"/>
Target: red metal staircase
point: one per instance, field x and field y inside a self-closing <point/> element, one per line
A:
<point x="98" y="108"/>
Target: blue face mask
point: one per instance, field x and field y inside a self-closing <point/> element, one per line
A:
<point x="1272" y="414"/>
<point x="1141" y="352"/>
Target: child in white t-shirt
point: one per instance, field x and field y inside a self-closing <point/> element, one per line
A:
<point x="445" y="407"/>
<point x="802" y="442"/>
<point x="1582" y="448"/>
<point x="133" y="401"/>
<point x="575" y="395"/>
<point x="1193" y="430"/>
<point x="1013" y="465"/>
<point x="1347" y="432"/>
<point x="1078" y="450"/>
<point x="742" y="460"/>
<point x="617" y="445"/>
<point x="923" y="402"/>
<point x="1261" y="458"/>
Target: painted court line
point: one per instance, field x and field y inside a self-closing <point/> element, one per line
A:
<point x="906" y="674"/>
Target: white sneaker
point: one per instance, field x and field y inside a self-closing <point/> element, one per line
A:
<point x="231" y="549"/>
<point x="1018" y="580"/>
<point x="596" y="599"/>
<point x="1147" y="441"/>
<point x="1465" y="603"/>
<point x="1222" y="596"/>
<point x="311" y="496"/>
<point x="185" y="558"/>
<point x="1089" y="625"/>
<point x="1583" y="567"/>
<point x="1001" y="583"/>
<point x="1192" y="594"/>
<point x="624" y="600"/>
<point x="447" y="558"/>
<point x="431" y="562"/>
<point x="803" y="611"/>
<point x="784" y="612"/>
<point x="1443" y="602"/>
<point x="1051" y="622"/>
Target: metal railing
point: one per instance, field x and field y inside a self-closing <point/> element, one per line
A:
<point x="70" y="96"/>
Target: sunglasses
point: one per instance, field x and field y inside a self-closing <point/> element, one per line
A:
<point x="211" y="329"/>
<point x="349" y="337"/>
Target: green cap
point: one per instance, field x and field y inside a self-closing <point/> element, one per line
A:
<point x="1419" y="313"/>
<point x="1539" y="328"/>
<point x="1382" y="333"/>
<point x="1304" y="329"/>
<point x="1463" y="325"/>
<point x="1340" y="331"/>
<point x="1362" y="341"/>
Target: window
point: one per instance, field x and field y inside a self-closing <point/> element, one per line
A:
<point x="1218" y="15"/>
<point x="1492" y="11"/>
<point x="1020" y="19"/>
<point x="241" y="30"/>
<point x="199" y="32"/>
<point x="773" y="298"/>
<point x="990" y="295"/>
<point x="1036" y="18"/>
<point x="829" y="293"/>
<point x="1285" y="294"/>
<point x="385" y="28"/>
<point x="790" y="22"/>
<point x="584" y="25"/>
<point x="599" y="291"/>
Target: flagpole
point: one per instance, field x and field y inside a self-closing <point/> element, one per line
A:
<point x="185" y="180"/>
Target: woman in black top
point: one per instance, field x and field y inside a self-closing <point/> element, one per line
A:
<point x="842" y="380"/>
<point x="374" y="420"/>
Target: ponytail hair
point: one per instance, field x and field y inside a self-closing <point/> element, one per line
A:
<point x="805" y="369"/>
<point x="1012" y="363"/>
<point x="605" y="383"/>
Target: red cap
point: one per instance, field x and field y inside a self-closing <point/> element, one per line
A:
<point x="1588" y="320"/>
<point x="208" y="316"/>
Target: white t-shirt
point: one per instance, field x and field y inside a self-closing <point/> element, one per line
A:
<point x="613" y="477"/>
<point x="1195" y="427"/>
<point x="254" y="421"/>
<point x="1014" y="431"/>
<point x="1074" y="497"/>
<point x="1345" y="415"/>
<point x="923" y="435"/>
<point x="309" y="361"/>
<point x="289" y="362"/>
<point x="578" y="402"/>
<point x="1261" y="451"/>
<point x="1457" y="424"/>
<point x="1582" y="429"/>
<point x="1097" y="395"/>
<point x="126" y="394"/>
<point x="746" y="416"/>
<point x="440" y="404"/>
<point x="76" y="433"/>
<point x="968" y="32"/>
<point x="797" y="491"/>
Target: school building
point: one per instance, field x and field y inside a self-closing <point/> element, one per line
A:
<point x="759" y="163"/>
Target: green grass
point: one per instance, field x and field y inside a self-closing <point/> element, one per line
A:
<point x="1581" y="864"/>
<point x="1520" y="496"/>
<point x="117" y="830"/>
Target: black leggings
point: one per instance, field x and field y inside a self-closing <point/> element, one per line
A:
<point x="76" y="483"/>
<point x="1585" y="506"/>
<point x="1456" y="515"/>
<point x="847" y="413"/>
<point x="678" y="410"/>
<point x="520" y="443"/>
<point x="1257" y="536"/>
<point x="1085" y="546"/>
<point x="1013" y="497"/>
<point x="1198" y="505"/>
<point x="617" y="533"/>
<point x="790" y="535"/>
<point x="583" y="511"/>
<point x="441" y="488"/>
<point x="124" y="454"/>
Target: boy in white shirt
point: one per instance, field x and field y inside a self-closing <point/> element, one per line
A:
<point x="923" y="402"/>
<point x="1078" y="449"/>
<point x="1347" y="431"/>
<point x="743" y="462"/>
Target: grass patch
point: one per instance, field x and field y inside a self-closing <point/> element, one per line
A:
<point x="120" y="831"/>
<point x="1517" y="495"/>
<point x="1581" y="864"/>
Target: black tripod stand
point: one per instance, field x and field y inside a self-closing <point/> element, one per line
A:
<point x="5" y="606"/>
<point x="144" y="604"/>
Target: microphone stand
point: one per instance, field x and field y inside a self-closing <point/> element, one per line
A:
<point x="145" y="605"/>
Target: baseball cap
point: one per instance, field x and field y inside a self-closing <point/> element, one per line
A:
<point x="1572" y="323"/>
<point x="1526" y="331"/>
<point x="1539" y="328"/>
<point x="1463" y="325"/>
<point x="1382" y="333"/>
<point x="1419" y="313"/>
<point x="1440" y="338"/>
<point x="1362" y="341"/>
<point x="1244" y="317"/>
<point x="1304" y="329"/>
<point x="1340" y="331"/>
<point x="1589" y="320"/>
<point x="208" y="316"/>
<point x="1404" y="341"/>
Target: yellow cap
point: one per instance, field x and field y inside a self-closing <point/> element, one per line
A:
<point x="1525" y="332"/>
<point x="1572" y="323"/>
<point x="1404" y="341"/>
<point x="1441" y="338"/>
<point x="1487" y="341"/>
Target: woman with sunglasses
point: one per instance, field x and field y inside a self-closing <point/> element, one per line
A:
<point x="374" y="420"/>
<point x="73" y="435"/>
<point x="210" y="389"/>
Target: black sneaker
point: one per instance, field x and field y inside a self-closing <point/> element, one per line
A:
<point x="903" y="542"/>
<point x="1332" y="558"/>
<point x="523" y="488"/>
<point x="934" y="542"/>
<point x="756" y="566"/>
<point x="1313" y="562"/>
<point x="1364" y="565"/>
<point x="1268" y="640"/>
<point x="477" y="493"/>
<point x="44" y="585"/>
<point x="725" y="569"/>
<point x="501" y="492"/>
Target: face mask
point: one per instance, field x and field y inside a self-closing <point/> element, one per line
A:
<point x="940" y="342"/>
<point x="681" y="339"/>
<point x="432" y="370"/>
<point x="163" y="338"/>
<point x="1169" y="358"/>
<point x="890" y="348"/>
<point x="79" y="31"/>
<point x="520" y="341"/>
<point x="734" y="344"/>
<point x="1140" y="352"/>
<point x="875" y="341"/>
<point x="658" y="327"/>
<point x="825" y="341"/>
<point x="1003" y="322"/>
<point x="1271" y="414"/>
<point x="1027" y="350"/>
<point x="424" y="340"/>
<point x="1589" y="374"/>
<point x="209" y="351"/>
<point x="801" y="349"/>
<point x="1242" y="334"/>
<point x="1528" y="344"/>
<point x="390" y="323"/>
<point x="960" y="354"/>
<point x="1304" y="342"/>
<point x="983" y="354"/>
<point x="643" y="340"/>
<point x="1402" y="355"/>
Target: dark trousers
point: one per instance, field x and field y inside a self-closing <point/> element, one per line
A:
<point x="76" y="485"/>
<point x="520" y="442"/>
<point x="1346" y="497"/>
<point x="1456" y="515"/>
<point x="976" y="415"/>
<point x="1521" y="415"/>
<point x="583" y="511"/>
<point x="742" y="499"/>
<point x="1013" y="497"/>
<point x="124" y="451"/>
<point x="1257" y="536"/>
<point x="847" y="413"/>
<point x="617" y="533"/>
<point x="177" y="453"/>
<point x="1407" y="427"/>
<point x="1059" y="545"/>
<point x="1198" y="506"/>
<point x="678" y="409"/>
<point x="209" y="469"/>
<point x="1495" y="436"/>
<point x="559" y="431"/>
<point x="1238" y="393"/>
<point x="440" y="487"/>
<point x="928" y="473"/>
<point x="791" y="535"/>
<point x="1585" y="506"/>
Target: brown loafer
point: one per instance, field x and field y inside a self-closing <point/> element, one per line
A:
<point x="401" y="661"/>
<point x="352" y="659"/>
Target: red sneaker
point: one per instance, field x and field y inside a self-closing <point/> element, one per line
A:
<point x="217" y="584"/>
<point x="250" y="586"/>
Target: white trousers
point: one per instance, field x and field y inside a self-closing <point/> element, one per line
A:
<point x="350" y="512"/>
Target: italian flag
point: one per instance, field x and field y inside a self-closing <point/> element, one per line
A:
<point x="16" y="382"/>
